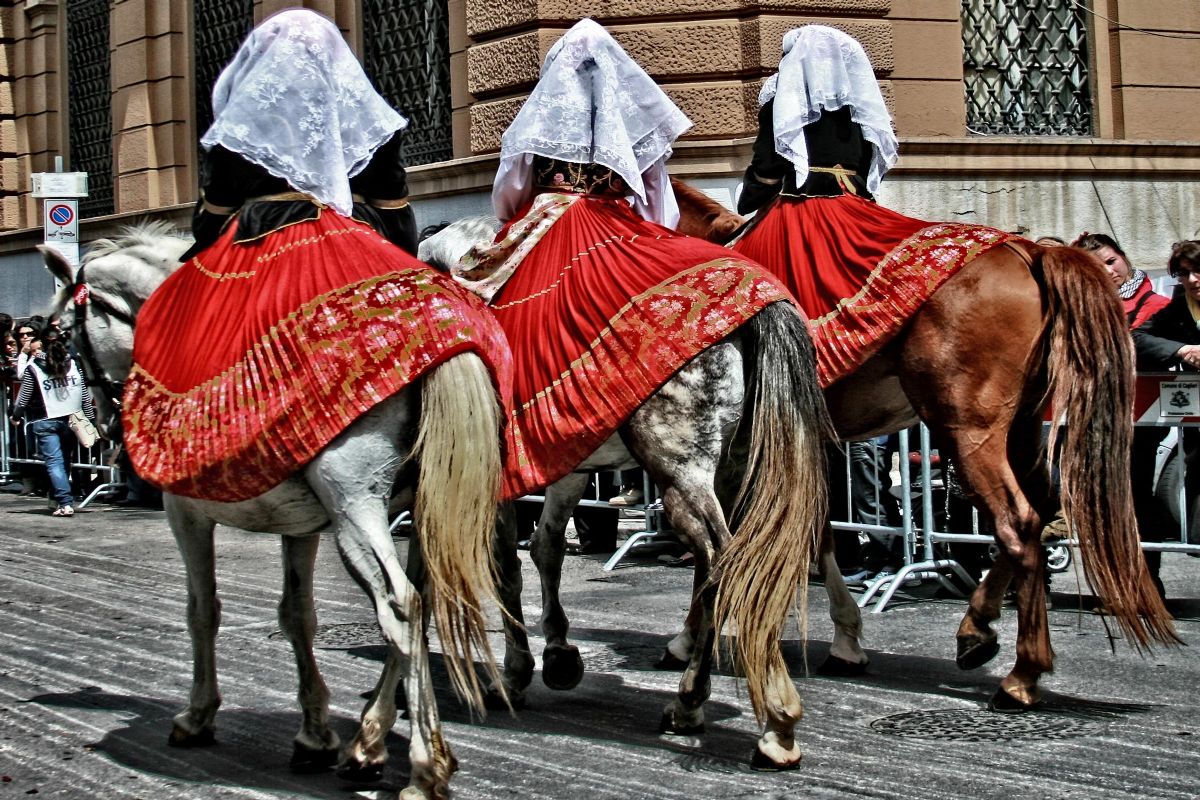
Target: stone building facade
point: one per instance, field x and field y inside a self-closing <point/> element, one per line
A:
<point x="1130" y="164"/>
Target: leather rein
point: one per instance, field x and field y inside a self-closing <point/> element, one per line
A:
<point x="83" y="299"/>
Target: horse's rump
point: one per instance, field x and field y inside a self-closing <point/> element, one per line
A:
<point x="858" y="269"/>
<point x="249" y="360"/>
<point x="604" y="308"/>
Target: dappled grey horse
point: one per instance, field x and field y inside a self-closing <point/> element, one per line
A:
<point x="734" y="441"/>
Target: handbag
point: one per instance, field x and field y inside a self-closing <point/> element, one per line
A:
<point x="83" y="428"/>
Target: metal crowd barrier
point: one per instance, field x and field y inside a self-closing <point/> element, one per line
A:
<point x="1168" y="400"/>
<point x="96" y="462"/>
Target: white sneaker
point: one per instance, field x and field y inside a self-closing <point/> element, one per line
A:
<point x="63" y="511"/>
<point x="628" y="497"/>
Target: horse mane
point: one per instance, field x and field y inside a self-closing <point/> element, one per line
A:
<point x="702" y="216"/>
<point x="148" y="233"/>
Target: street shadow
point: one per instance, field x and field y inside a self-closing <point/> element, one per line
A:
<point x="252" y="750"/>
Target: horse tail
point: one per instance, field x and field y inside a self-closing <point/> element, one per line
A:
<point x="458" y="450"/>
<point x="780" y="509"/>
<point x="1090" y="376"/>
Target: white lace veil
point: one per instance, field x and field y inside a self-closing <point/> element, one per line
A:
<point x="823" y="68"/>
<point x="296" y="102"/>
<point x="593" y="104"/>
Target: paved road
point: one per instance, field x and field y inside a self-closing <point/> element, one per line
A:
<point x="94" y="662"/>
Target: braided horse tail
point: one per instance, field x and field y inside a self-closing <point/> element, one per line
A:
<point x="1090" y="386"/>
<point x="781" y="505"/>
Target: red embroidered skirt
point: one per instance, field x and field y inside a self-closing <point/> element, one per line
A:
<point x="858" y="269"/>
<point x="602" y="310"/>
<point x="251" y="358"/>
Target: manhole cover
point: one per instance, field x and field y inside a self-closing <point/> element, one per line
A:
<point x="978" y="725"/>
<point x="351" y="634"/>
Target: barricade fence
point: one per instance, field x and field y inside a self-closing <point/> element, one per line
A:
<point x="93" y="470"/>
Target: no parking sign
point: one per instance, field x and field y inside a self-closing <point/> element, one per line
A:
<point x="62" y="221"/>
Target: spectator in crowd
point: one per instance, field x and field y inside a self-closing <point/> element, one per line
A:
<point x="1169" y="339"/>
<point x="1141" y="304"/>
<point x="1050" y="241"/>
<point x="595" y="526"/>
<point x="28" y="336"/>
<point x="631" y="492"/>
<point x="1137" y="293"/>
<point x="871" y="503"/>
<point x="29" y="341"/>
<point x="52" y="388"/>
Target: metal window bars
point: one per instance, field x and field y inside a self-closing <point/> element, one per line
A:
<point x="219" y="26"/>
<point x="407" y="54"/>
<point x="1025" y="68"/>
<point x="89" y="101"/>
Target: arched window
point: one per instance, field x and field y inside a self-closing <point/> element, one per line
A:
<point x="89" y="102"/>
<point x="407" y="53"/>
<point x="1025" y="68"/>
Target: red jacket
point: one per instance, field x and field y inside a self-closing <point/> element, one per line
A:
<point x="1144" y="303"/>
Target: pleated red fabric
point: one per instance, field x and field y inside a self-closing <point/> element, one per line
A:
<point x="859" y="270"/>
<point x="251" y="358"/>
<point x="602" y="310"/>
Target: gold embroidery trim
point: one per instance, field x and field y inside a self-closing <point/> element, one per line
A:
<point x="574" y="260"/>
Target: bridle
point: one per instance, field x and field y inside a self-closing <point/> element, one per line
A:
<point x="95" y="377"/>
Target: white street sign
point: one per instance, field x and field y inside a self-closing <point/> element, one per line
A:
<point x="60" y="184"/>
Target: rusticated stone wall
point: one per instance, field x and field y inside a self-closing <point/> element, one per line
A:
<point x="710" y="56"/>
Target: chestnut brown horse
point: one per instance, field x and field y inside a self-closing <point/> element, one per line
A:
<point x="1017" y="330"/>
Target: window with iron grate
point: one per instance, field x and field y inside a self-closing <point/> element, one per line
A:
<point x="1025" y="68"/>
<point x="89" y="102"/>
<point x="407" y="54"/>
<point x="220" y="26"/>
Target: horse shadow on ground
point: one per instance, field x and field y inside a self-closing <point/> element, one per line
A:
<point x="253" y="748"/>
<point x="623" y="650"/>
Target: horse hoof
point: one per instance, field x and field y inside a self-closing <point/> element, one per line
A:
<point x="835" y="667"/>
<point x="1004" y="703"/>
<point x="973" y="653"/>
<point x="562" y="668"/>
<point x="670" y="662"/>
<point x="762" y="763"/>
<point x="307" y="760"/>
<point x="356" y="772"/>
<point x="181" y="737"/>
<point x="669" y="726"/>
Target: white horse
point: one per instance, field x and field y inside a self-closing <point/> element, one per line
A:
<point x="448" y="423"/>
<point x="734" y="441"/>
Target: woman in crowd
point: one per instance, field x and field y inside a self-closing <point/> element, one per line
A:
<point x="1137" y="293"/>
<point x="52" y="389"/>
<point x="1167" y="340"/>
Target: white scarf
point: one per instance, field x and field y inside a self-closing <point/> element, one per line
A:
<point x="296" y="102"/>
<point x="825" y="69"/>
<point x="593" y="104"/>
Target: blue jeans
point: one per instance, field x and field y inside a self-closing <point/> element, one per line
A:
<point x="50" y="433"/>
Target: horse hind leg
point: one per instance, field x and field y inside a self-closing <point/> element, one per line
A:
<point x="518" y="659"/>
<point x="562" y="667"/>
<point x="196" y="725"/>
<point x="316" y="746"/>
<point x="353" y="478"/>
<point x="993" y="464"/>
<point x="846" y="657"/>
